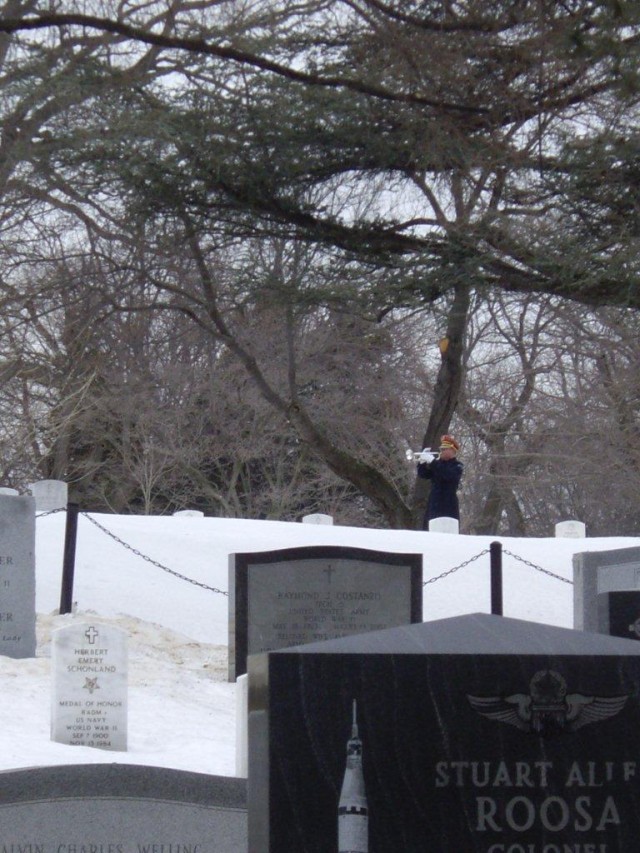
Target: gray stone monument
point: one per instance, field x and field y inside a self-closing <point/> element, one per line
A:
<point x="596" y="574"/>
<point x="476" y="733"/>
<point x="302" y="595"/>
<point x="121" y="808"/>
<point x="50" y="494"/>
<point x="89" y="697"/>
<point x="17" y="576"/>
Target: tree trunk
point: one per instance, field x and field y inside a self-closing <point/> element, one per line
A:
<point x="447" y="389"/>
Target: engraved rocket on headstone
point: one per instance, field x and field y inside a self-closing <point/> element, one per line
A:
<point x="481" y="733"/>
<point x="353" y="809"/>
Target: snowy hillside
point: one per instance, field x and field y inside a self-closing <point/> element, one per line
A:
<point x="181" y="707"/>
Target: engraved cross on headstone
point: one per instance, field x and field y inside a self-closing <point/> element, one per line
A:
<point x="91" y="634"/>
<point x="329" y="571"/>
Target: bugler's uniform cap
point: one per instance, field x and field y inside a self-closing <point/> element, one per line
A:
<point x="448" y="442"/>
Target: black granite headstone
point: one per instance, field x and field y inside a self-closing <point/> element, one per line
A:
<point x="476" y="734"/>
<point x="303" y="595"/>
<point x="619" y="613"/>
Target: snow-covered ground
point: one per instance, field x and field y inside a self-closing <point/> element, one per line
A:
<point x="181" y="707"/>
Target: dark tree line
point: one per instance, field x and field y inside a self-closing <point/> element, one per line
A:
<point x="310" y="230"/>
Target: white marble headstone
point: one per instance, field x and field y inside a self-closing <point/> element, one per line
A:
<point x="17" y="576"/>
<point x="317" y="518"/>
<point x="444" y="524"/>
<point x="571" y="530"/>
<point x="89" y="697"/>
<point x="50" y="494"/>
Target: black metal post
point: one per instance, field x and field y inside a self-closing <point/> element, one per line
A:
<point x="495" y="551"/>
<point x="69" y="558"/>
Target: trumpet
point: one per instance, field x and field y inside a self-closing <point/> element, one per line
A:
<point x="414" y="455"/>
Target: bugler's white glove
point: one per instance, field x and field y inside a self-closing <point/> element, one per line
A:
<point x="426" y="456"/>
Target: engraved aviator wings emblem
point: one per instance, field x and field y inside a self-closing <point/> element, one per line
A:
<point x="547" y="708"/>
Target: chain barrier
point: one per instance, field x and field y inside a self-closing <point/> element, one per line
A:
<point x="149" y="559"/>
<point x="51" y="512"/>
<point x="222" y="592"/>
<point x="504" y="551"/>
<point x="537" y="568"/>
<point x="456" y="568"/>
